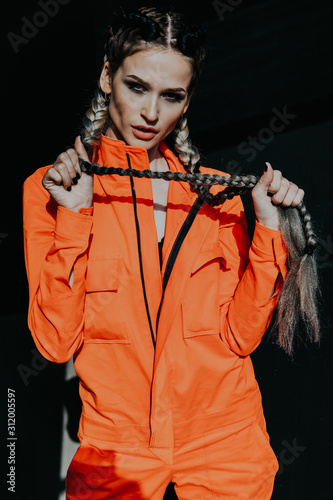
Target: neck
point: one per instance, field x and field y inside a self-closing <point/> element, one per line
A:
<point x="154" y="155"/>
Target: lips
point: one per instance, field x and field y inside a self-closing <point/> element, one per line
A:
<point x="144" y="133"/>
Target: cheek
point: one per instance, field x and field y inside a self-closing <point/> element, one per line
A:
<point x="118" y="108"/>
<point x="122" y="105"/>
<point x="171" y="118"/>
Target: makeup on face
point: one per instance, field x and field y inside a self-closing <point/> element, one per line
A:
<point x="144" y="133"/>
<point x="149" y="94"/>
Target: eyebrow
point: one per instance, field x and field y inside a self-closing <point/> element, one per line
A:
<point x="178" y="89"/>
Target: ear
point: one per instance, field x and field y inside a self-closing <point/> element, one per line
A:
<point x="105" y="79"/>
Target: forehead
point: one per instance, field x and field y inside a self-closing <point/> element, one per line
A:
<point x="159" y="67"/>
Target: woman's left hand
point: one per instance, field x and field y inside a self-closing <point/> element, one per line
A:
<point x="271" y="190"/>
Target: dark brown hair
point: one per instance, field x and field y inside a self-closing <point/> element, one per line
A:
<point x="132" y="32"/>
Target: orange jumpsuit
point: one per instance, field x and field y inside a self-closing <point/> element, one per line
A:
<point x="189" y="409"/>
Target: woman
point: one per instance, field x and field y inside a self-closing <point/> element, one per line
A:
<point x="157" y="294"/>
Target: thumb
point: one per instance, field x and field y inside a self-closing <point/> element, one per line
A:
<point x="80" y="149"/>
<point x="267" y="178"/>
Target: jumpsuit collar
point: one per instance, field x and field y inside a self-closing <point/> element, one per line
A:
<point x="113" y="153"/>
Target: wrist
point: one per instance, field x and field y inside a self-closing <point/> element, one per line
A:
<point x="270" y="223"/>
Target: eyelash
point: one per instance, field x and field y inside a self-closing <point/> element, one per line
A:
<point x="139" y="89"/>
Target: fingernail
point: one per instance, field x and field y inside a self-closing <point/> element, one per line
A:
<point x="69" y="188"/>
<point x="74" y="181"/>
<point x="78" y="176"/>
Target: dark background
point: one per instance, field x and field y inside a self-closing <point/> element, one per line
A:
<point x="262" y="55"/>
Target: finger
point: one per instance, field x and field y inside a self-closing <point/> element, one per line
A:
<point x="265" y="180"/>
<point x="65" y="173"/>
<point x="69" y="159"/>
<point x="298" y="198"/>
<point x="80" y="149"/>
<point x="72" y="154"/>
<point x="282" y="191"/>
<point x="276" y="182"/>
<point x="52" y="176"/>
<point x="66" y="159"/>
<point x="75" y="163"/>
<point x="290" y="195"/>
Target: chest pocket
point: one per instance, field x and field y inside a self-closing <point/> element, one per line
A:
<point x="107" y="285"/>
<point x="200" y="306"/>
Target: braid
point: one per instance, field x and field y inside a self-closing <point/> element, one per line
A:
<point x="244" y="182"/>
<point x="190" y="157"/>
<point x="95" y="120"/>
<point x="187" y="152"/>
<point x="298" y="297"/>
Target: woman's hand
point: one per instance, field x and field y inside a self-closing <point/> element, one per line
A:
<point x="272" y="190"/>
<point x="65" y="182"/>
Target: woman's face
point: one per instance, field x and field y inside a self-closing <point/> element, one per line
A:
<point x="149" y="93"/>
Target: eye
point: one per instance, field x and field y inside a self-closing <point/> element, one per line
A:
<point x="173" y="97"/>
<point x="136" y="87"/>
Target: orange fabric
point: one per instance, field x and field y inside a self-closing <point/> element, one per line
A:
<point x="236" y="463"/>
<point x="216" y="308"/>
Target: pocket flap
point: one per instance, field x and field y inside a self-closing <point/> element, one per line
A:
<point x="205" y="256"/>
<point x="103" y="274"/>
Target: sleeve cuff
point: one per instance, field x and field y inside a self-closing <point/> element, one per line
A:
<point x="268" y="245"/>
<point x="86" y="211"/>
<point x="72" y="225"/>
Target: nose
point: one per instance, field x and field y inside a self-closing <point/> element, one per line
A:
<point x="150" y="109"/>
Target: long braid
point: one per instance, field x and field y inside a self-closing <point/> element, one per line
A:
<point x="189" y="155"/>
<point x="298" y="297"/>
<point x="95" y="120"/>
<point x="294" y="302"/>
<point x="187" y="152"/>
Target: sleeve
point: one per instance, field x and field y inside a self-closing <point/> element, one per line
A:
<point x="55" y="241"/>
<point x="251" y="281"/>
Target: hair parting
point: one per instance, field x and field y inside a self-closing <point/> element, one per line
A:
<point x="297" y="309"/>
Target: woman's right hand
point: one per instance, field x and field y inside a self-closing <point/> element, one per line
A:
<point x="70" y="188"/>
